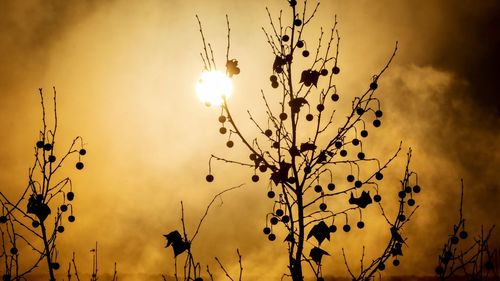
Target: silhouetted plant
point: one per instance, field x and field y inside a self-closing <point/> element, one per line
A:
<point x="36" y="218"/>
<point x="181" y="243"/>
<point x="475" y="260"/>
<point x="302" y="153"/>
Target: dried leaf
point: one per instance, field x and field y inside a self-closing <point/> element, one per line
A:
<point x="320" y="231"/>
<point x="362" y="201"/>
<point x="175" y="239"/>
<point x="316" y="254"/>
<point x="307" y="146"/>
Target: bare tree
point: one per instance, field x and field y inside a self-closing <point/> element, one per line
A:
<point x="318" y="175"/>
<point x="474" y="260"/>
<point x="181" y="243"/>
<point x="35" y="219"/>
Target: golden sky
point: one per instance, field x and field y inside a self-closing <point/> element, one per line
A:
<point x="125" y="73"/>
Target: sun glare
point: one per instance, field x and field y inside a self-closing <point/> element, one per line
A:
<point x="213" y="87"/>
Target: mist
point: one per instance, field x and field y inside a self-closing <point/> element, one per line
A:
<point x="125" y="73"/>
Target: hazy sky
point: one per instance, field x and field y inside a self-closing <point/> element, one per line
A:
<point x="125" y="72"/>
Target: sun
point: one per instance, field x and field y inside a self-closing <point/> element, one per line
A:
<point x="213" y="87"/>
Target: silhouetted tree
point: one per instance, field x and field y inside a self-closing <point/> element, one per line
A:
<point x="35" y="219"/>
<point x="318" y="176"/>
<point x="181" y="243"/>
<point x="474" y="260"/>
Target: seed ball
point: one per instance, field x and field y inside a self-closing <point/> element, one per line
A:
<point x="276" y="145"/>
<point x="320" y="107"/>
<point x="35" y="224"/>
<point x="292" y="180"/>
<point x="402" y="217"/>
<point x="463" y="234"/>
<point x="285" y="38"/>
<point x="52" y="158"/>
<point x="209" y="178"/>
<point x="13" y="251"/>
<point x="324" y="72"/>
<point x="332" y="228"/>
<point x="346" y="228"/>
<point x="335" y="70"/>
<point x="355" y="142"/>
<point x="377" y="198"/>
<point x="47" y="147"/>
<point x="335" y="97"/>
<point x="318" y="188"/>
<point x="274" y="220"/>
<point x="411" y="202"/>
<point x="3" y="219"/>
<point x="275" y="85"/>
<point x="358" y="184"/>
<point x="309" y="117"/>
<point x="402" y="194"/>
<point x="271" y="194"/>
<point x="300" y="44"/>
<point x="266" y="230"/>
<point x="271" y="237"/>
<point x="82" y="152"/>
<point x="70" y="195"/>
<point x="55" y="265"/>
<point x="60" y="229"/>
<point x="343" y="153"/>
<point x="307" y="169"/>
<point x="364" y="133"/>
<point x="279" y="69"/>
<point x="379" y="176"/>
<point x="361" y="156"/>
<point x="338" y="144"/>
<point x="255" y="178"/>
<point x="454" y="240"/>
<point x="373" y="85"/>
<point x="377" y="123"/>
<point x="305" y="53"/>
<point x="379" y="113"/>
<point x="395" y="262"/>
<point x="280" y="212"/>
<point x="273" y="78"/>
<point x="39" y="144"/>
<point x="381" y="266"/>
<point x="297" y="22"/>
<point x="253" y="156"/>
<point x="408" y="189"/>
<point x="360" y="111"/>
<point x="79" y="165"/>
<point x="229" y="143"/>
<point x="283" y="116"/>
<point x="322" y="207"/>
<point x="63" y="208"/>
<point x="222" y="118"/>
<point x="222" y="130"/>
<point x="439" y="270"/>
<point x="285" y="219"/>
<point x="268" y="132"/>
<point x="360" y="224"/>
<point x="416" y="189"/>
<point x="331" y="186"/>
<point x="71" y="218"/>
<point x="263" y="168"/>
<point x="350" y="178"/>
